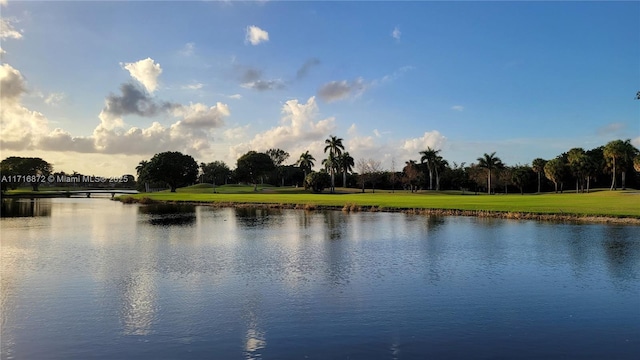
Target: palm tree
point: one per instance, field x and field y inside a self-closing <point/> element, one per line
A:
<point x="490" y="162"/>
<point x="429" y="157"/>
<point x="636" y="163"/>
<point x="538" y="166"/>
<point x="335" y="147"/>
<point x="346" y="163"/>
<point x="577" y="164"/>
<point x="440" y="165"/>
<point x="306" y="162"/>
<point x="613" y="151"/>
<point x="555" y="170"/>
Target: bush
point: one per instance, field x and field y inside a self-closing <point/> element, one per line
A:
<point x="317" y="181"/>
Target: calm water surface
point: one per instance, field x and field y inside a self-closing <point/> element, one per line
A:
<point x="92" y="278"/>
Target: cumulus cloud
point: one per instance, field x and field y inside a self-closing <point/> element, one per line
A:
<point x="396" y="33"/>
<point x="304" y="69"/>
<point x="255" y="35"/>
<point x="19" y="126"/>
<point x="457" y="108"/>
<point x="340" y="90"/>
<point x="132" y="100"/>
<point x="299" y="131"/>
<point x="202" y="116"/>
<point x="432" y="139"/>
<point x="23" y="129"/>
<point x="236" y="133"/>
<point x="7" y="31"/>
<point x="146" y="72"/>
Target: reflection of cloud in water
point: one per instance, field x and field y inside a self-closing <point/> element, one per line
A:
<point x="138" y="305"/>
<point x="254" y="341"/>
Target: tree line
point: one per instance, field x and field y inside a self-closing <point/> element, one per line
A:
<point x="602" y="165"/>
<point x="610" y="165"/>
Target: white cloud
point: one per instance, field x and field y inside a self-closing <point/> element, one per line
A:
<point x="235" y="96"/>
<point x="612" y="129"/>
<point x="377" y="133"/>
<point x="352" y="129"/>
<point x="146" y="72"/>
<point x="636" y="142"/>
<point x="196" y="86"/>
<point x="299" y="131"/>
<point x="432" y="139"/>
<point x="7" y="31"/>
<point x="255" y="35"/>
<point x="340" y="90"/>
<point x="201" y="116"/>
<point x="457" y="108"/>
<point x="19" y="126"/>
<point x="236" y="133"/>
<point x="396" y="33"/>
<point x="54" y="99"/>
<point x="2" y="51"/>
<point x="3" y="2"/>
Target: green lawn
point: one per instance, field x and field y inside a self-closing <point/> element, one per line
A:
<point x="599" y="202"/>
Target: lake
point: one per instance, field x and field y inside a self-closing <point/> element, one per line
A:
<point x="93" y="278"/>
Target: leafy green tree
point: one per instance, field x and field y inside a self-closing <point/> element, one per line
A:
<point x="252" y="166"/>
<point x="334" y="145"/>
<point x="317" y="181"/>
<point x="410" y="175"/>
<point x="555" y="170"/>
<point x="306" y="162"/>
<point x="346" y="164"/>
<point x="520" y="176"/>
<point x="215" y="172"/>
<point x="538" y="167"/>
<point x="636" y="163"/>
<point x="278" y="156"/>
<point x="29" y="167"/>
<point x="171" y="167"/>
<point x="490" y="162"/>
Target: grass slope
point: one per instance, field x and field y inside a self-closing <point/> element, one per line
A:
<point x="597" y="203"/>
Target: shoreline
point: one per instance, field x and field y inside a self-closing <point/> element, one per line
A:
<point x="350" y="207"/>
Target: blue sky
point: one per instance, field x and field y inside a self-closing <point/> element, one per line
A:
<point x="98" y="86"/>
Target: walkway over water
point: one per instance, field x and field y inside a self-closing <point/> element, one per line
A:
<point x="71" y="193"/>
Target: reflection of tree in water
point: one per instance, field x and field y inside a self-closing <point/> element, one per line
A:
<point x="432" y="246"/>
<point x="169" y="214"/>
<point x="25" y="208"/>
<point x="338" y="257"/>
<point x="623" y="254"/>
<point x="253" y="216"/>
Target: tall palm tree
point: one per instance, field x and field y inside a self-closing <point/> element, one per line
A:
<point x="335" y="147"/>
<point x="490" y="162"/>
<point x="430" y="157"/>
<point x="306" y="162"/>
<point x="538" y="166"/>
<point x="577" y="164"/>
<point x="613" y="151"/>
<point x="346" y="163"/>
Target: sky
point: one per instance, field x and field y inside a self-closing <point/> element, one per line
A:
<point x="96" y="87"/>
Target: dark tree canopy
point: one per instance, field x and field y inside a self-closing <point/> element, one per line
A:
<point x="317" y="181"/>
<point x="24" y="166"/>
<point x="171" y="167"/>
<point x="253" y="165"/>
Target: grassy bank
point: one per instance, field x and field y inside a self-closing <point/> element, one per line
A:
<point x="599" y="203"/>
